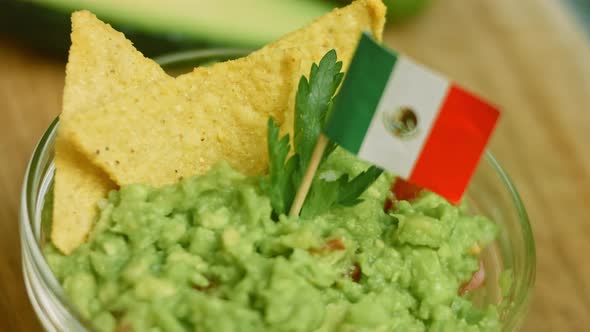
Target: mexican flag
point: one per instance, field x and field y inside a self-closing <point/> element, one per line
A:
<point x="407" y="119"/>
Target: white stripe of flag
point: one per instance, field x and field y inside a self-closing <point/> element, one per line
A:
<point x="408" y="85"/>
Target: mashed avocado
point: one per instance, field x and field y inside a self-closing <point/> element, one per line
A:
<point x="205" y="255"/>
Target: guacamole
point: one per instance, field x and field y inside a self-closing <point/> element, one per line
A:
<point x="205" y="255"/>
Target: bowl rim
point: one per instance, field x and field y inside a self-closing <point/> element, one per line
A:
<point x="527" y="279"/>
<point x="28" y="212"/>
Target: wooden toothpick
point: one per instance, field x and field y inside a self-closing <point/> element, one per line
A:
<point x="303" y="190"/>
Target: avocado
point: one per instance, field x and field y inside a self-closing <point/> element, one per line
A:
<point x="157" y="27"/>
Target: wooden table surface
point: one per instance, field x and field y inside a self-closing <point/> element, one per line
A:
<point x="526" y="56"/>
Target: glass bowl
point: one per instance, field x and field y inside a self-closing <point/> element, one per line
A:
<point x="491" y="193"/>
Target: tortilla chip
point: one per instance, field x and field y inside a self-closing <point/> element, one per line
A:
<point x="102" y="64"/>
<point x="79" y="185"/>
<point x="175" y="130"/>
<point x="181" y="129"/>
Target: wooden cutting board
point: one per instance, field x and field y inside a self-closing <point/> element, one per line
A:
<point x="527" y="56"/>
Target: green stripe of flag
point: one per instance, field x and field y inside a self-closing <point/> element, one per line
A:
<point x="357" y="101"/>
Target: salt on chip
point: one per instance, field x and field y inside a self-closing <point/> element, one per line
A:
<point x="182" y="129"/>
<point x="102" y="64"/>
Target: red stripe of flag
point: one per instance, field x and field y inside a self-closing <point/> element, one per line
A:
<point x="455" y="144"/>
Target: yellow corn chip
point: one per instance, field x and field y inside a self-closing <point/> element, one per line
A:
<point x="181" y="129"/>
<point x="102" y="64"/>
<point x="79" y="185"/>
<point x="170" y="131"/>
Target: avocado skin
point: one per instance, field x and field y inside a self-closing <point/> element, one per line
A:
<point x="48" y="31"/>
<point x="401" y="10"/>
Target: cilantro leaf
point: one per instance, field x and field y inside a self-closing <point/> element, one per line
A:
<point x="278" y="184"/>
<point x="326" y="194"/>
<point x="350" y="191"/>
<point x="329" y="149"/>
<point x="312" y="103"/>
<point x="322" y="196"/>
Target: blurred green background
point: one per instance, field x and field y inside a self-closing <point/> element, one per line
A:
<point x="174" y="25"/>
<point x="581" y="9"/>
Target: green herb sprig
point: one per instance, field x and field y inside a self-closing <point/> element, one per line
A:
<point x="312" y="105"/>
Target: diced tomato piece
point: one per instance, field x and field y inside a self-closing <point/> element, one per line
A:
<point x="335" y="244"/>
<point x="401" y="190"/>
<point x="330" y="246"/>
<point x="404" y="190"/>
<point x="354" y="272"/>
<point x="211" y="286"/>
<point x="123" y="327"/>
<point x="389" y="204"/>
